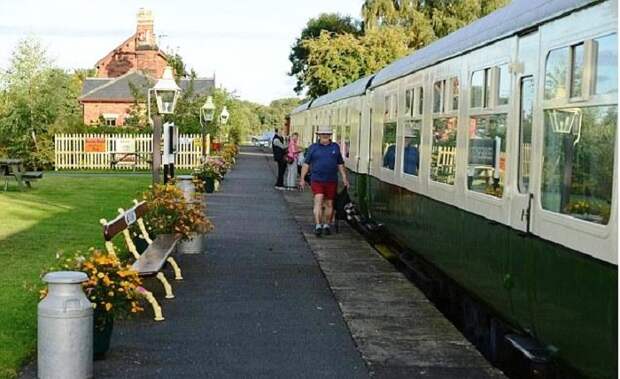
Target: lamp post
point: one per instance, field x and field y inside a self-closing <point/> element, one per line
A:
<point x="166" y="92"/>
<point x="206" y="116"/>
<point x="207" y="113"/>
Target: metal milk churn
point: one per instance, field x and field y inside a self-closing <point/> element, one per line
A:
<point x="185" y="183"/>
<point x="65" y="330"/>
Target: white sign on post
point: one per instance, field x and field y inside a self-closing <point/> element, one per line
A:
<point x="125" y="145"/>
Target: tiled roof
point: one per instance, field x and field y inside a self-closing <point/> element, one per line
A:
<point x="119" y="88"/>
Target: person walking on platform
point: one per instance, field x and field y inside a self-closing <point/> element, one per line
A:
<point x="279" y="155"/>
<point x="291" y="159"/>
<point x="324" y="160"/>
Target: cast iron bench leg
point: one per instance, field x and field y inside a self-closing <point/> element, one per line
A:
<point x="176" y="268"/>
<point x="166" y="284"/>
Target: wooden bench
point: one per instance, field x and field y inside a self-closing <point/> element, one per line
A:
<point x="128" y="159"/>
<point x="153" y="259"/>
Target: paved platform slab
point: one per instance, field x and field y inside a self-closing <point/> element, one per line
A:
<point x="398" y="331"/>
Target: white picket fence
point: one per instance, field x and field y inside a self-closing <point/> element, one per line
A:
<point x="133" y="150"/>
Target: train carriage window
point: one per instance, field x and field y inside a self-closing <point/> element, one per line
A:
<point x="443" y="152"/>
<point x="578" y="158"/>
<point x="388" y="146"/>
<point x="454" y="93"/>
<point x="606" y="65"/>
<point x="487" y="88"/>
<point x="487" y="154"/>
<point x="411" y="151"/>
<point x="578" y="144"/>
<point x="438" y="93"/>
<point x="477" y="89"/>
<point x="525" y="133"/>
<point x="346" y="141"/>
<point x="556" y="74"/>
<point x="420" y="110"/>
<point x="409" y="100"/>
<point x="346" y="134"/>
<point x="480" y="88"/>
<point x="504" y="85"/>
<point x="577" y="66"/>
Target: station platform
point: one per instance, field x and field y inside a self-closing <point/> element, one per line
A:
<point x="270" y="300"/>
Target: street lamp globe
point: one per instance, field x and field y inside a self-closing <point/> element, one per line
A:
<point x="166" y="92"/>
<point x="224" y="116"/>
<point x="207" y="110"/>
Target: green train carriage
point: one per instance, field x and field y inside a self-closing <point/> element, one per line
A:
<point x="491" y="154"/>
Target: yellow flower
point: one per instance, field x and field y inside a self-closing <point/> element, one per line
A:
<point x="108" y="306"/>
<point x="100" y="275"/>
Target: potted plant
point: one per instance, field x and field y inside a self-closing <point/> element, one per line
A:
<point x="169" y="213"/>
<point x="211" y="172"/>
<point x="112" y="288"/>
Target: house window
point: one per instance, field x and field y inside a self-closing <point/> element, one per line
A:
<point x="110" y="119"/>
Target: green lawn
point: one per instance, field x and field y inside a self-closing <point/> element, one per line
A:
<point x="60" y="213"/>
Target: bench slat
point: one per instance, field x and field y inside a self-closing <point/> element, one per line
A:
<point x="119" y="224"/>
<point x="154" y="257"/>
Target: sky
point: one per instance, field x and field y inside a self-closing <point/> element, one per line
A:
<point x="246" y="43"/>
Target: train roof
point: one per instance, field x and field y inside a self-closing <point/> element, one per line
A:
<point x="517" y="16"/>
<point x="356" y="88"/>
<point x="302" y="107"/>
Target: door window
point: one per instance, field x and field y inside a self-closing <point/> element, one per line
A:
<point x="525" y="133"/>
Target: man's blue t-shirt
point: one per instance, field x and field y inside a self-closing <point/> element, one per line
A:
<point x="324" y="161"/>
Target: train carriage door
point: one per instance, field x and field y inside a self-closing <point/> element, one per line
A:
<point x="526" y="70"/>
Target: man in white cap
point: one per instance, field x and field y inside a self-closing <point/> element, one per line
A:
<point x="324" y="160"/>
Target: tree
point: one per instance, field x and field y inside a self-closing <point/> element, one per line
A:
<point x="431" y="18"/>
<point x="331" y="22"/>
<point x="337" y="60"/>
<point x="35" y="97"/>
<point x="175" y="60"/>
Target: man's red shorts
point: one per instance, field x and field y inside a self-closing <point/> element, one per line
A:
<point x="328" y="189"/>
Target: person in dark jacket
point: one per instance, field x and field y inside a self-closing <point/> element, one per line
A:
<point x="325" y="161"/>
<point x="279" y="149"/>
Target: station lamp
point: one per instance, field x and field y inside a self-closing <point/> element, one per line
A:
<point x="224" y="116"/>
<point x="207" y="111"/>
<point x="166" y="92"/>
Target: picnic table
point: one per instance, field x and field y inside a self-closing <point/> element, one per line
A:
<point x="14" y="168"/>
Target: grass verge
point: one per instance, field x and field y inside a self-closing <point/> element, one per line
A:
<point x="62" y="212"/>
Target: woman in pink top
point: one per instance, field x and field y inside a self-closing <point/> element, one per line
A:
<point x="292" y="157"/>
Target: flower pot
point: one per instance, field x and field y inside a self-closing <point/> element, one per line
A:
<point x="102" y="334"/>
<point x="209" y="185"/>
<point x="195" y="245"/>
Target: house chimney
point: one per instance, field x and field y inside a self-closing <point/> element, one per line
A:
<point x="145" y="36"/>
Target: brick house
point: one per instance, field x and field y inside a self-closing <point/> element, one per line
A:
<point x="137" y="62"/>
